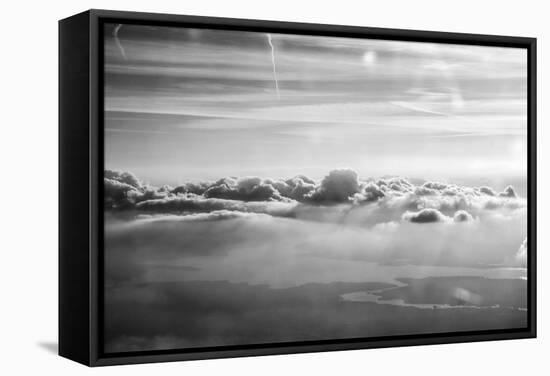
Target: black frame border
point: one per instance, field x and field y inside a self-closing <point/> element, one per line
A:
<point x="96" y="20"/>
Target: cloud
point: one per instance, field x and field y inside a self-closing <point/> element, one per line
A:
<point x="435" y="185"/>
<point x="424" y="191"/>
<point x="341" y="196"/>
<point x="300" y="187"/>
<point x="244" y="189"/>
<point x="265" y="248"/>
<point x="521" y="255"/>
<point x="117" y="194"/>
<point x="195" y="188"/>
<point x="191" y="203"/>
<point x="187" y="203"/>
<point x="123" y="177"/>
<point x="425" y="216"/>
<point x="296" y="240"/>
<point x="396" y="184"/>
<point x="508" y="192"/>
<point x="462" y="216"/>
<point x="215" y="215"/>
<point x="504" y="202"/>
<point x="488" y="191"/>
<point x="338" y="186"/>
<point x="370" y="193"/>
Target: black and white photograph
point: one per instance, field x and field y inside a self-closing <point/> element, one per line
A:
<point x="268" y="188"/>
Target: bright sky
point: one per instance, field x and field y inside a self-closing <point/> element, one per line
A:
<point x="189" y="104"/>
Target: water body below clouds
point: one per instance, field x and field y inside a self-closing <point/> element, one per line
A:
<point x="311" y="270"/>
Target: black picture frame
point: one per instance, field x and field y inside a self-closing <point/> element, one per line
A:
<point x="81" y="170"/>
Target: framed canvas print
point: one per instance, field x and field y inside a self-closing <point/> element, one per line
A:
<point x="240" y="187"/>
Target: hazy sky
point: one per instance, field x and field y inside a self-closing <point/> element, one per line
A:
<point x="189" y="104"/>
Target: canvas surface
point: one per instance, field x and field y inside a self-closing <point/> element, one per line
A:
<point x="264" y="188"/>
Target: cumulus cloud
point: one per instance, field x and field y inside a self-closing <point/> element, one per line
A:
<point x="398" y="184"/>
<point x="371" y="192"/>
<point x="434" y="188"/>
<point x="121" y="195"/>
<point x="338" y="186"/>
<point x="425" y="216"/>
<point x="116" y="194"/>
<point x="123" y="177"/>
<point x="508" y="192"/>
<point x="300" y="188"/>
<point x="340" y="197"/>
<point x="488" y="191"/>
<point x="462" y="216"/>
<point x="435" y="185"/>
<point x="244" y="189"/>
<point x="195" y="188"/>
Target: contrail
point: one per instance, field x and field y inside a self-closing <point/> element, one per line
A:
<point x="117" y="41"/>
<point x="273" y="64"/>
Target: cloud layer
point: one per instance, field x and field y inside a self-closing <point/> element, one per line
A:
<point x="389" y="220"/>
<point x="338" y="197"/>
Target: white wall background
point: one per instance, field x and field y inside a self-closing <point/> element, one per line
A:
<point x="28" y="185"/>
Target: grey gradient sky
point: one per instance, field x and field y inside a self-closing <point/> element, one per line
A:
<point x="189" y="104"/>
